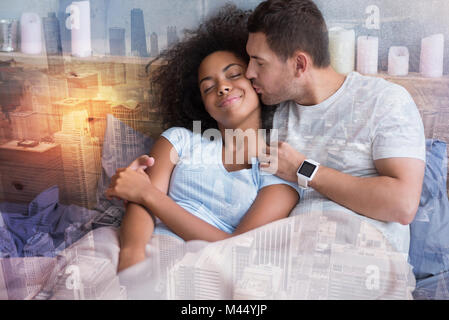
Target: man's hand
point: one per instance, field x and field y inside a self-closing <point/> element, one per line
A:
<point x="392" y="196"/>
<point x="282" y="160"/>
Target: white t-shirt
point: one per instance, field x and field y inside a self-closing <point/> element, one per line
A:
<point x="366" y="119"/>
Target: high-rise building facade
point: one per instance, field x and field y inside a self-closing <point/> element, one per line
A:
<point x="138" y="37"/>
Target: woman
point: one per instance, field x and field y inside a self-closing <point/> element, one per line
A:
<point x="213" y="196"/>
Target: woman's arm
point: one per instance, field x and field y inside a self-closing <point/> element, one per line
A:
<point x="135" y="230"/>
<point x="182" y="222"/>
<point x="138" y="223"/>
<point x="166" y="158"/>
<point x="136" y="227"/>
<point x="272" y="203"/>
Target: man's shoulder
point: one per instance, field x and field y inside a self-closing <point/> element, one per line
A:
<point x="369" y="94"/>
<point x="363" y="90"/>
<point x="375" y="85"/>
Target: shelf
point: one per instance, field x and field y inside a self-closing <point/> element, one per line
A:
<point x="42" y="59"/>
<point x="411" y="76"/>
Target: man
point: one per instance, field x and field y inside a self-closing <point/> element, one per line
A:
<point x="357" y="142"/>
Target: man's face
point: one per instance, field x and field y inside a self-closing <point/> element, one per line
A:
<point x="272" y="78"/>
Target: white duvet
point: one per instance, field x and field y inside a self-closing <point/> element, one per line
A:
<point x="311" y="256"/>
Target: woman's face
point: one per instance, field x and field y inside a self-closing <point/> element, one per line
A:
<point x="227" y="94"/>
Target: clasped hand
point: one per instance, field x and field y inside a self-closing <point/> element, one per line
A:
<point x="132" y="183"/>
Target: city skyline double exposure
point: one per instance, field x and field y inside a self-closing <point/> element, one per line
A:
<point x="76" y="105"/>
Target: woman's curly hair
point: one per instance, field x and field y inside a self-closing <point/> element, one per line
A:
<point x="175" y="83"/>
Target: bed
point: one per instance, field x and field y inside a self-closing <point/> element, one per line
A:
<point x="50" y="250"/>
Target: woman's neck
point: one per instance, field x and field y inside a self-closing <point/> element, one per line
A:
<point x="242" y="141"/>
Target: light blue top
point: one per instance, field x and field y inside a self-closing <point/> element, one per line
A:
<point x="201" y="185"/>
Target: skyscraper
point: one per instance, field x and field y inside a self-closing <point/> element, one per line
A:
<point x="99" y="25"/>
<point x="203" y="9"/>
<point x="66" y="34"/>
<point x="117" y="45"/>
<point x="138" y="38"/>
<point x="15" y="283"/>
<point x="78" y="160"/>
<point x="197" y="277"/>
<point x="52" y="35"/>
<point x="26" y="125"/>
<point x="273" y="248"/>
<point x="53" y="44"/>
<point x="154" y="45"/>
<point x="172" y="36"/>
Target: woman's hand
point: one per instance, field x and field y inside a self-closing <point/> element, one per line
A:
<point x="129" y="184"/>
<point x="143" y="162"/>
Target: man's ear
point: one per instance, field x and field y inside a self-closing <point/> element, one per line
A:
<point x="301" y="62"/>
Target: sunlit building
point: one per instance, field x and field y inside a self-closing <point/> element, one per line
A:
<point x="79" y="160"/>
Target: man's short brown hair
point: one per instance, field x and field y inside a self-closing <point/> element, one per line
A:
<point x="291" y="25"/>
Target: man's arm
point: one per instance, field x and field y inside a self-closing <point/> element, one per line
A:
<point x="392" y="196"/>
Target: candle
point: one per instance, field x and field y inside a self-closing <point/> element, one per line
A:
<point x="398" y="58"/>
<point x="81" y="41"/>
<point x="342" y="49"/>
<point x="8" y="35"/>
<point x="367" y="54"/>
<point x="31" y="33"/>
<point x="432" y="53"/>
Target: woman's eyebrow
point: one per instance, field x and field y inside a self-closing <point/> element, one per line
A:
<point x="204" y="79"/>
<point x="231" y="65"/>
<point x="224" y="70"/>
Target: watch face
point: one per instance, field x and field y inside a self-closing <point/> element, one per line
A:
<point x="307" y="169"/>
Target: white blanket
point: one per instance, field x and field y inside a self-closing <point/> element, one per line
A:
<point x="314" y="256"/>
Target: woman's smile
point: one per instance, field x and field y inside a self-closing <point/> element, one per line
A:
<point x="229" y="101"/>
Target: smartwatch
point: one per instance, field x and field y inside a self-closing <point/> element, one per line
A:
<point x="306" y="172"/>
